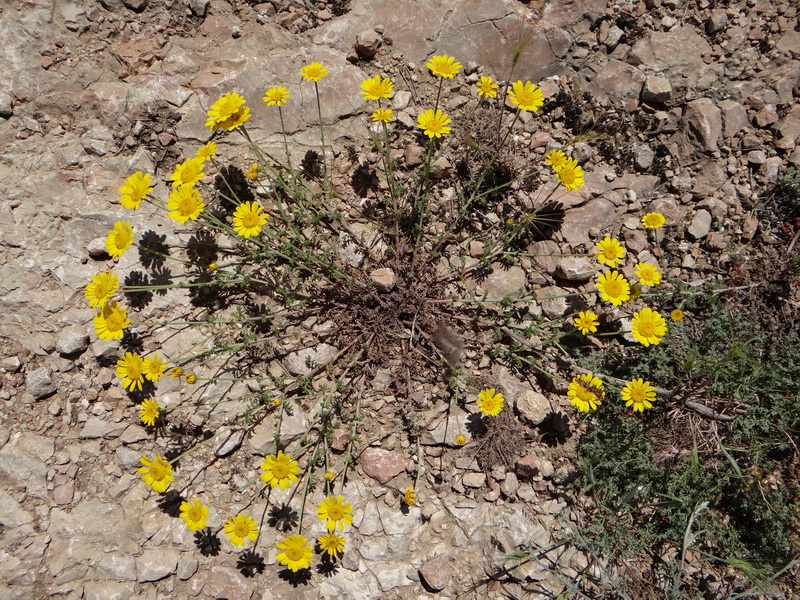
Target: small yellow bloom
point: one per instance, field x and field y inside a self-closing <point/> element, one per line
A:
<point x="156" y="473"/>
<point x="444" y="66"/>
<point x="101" y="288"/>
<point x="332" y="543"/>
<point x="526" y="96"/>
<point x="433" y="124"/>
<point x="175" y="372"/>
<point x="212" y="266"/>
<point x="653" y="220"/>
<point x="383" y="115"/>
<point x="461" y="439"/>
<point x="206" y="151"/>
<point x="586" y="322"/>
<point x="241" y="528"/>
<point x="154" y="367"/>
<point x="296" y="555"/>
<point x="376" y="88"/>
<point x="556" y="159"/>
<point x="276" y="96"/>
<point x="277" y="402"/>
<point x="639" y="393"/>
<point x="330" y="475"/>
<point x="185" y="203"/>
<point x="119" y="239"/>
<point x="490" y="403"/>
<point x="279" y="470"/>
<point x="313" y="72"/>
<point x="613" y="287"/>
<point x="252" y="172"/>
<point x="190" y="378"/>
<point x="487" y="87"/>
<point x="136" y="188"/>
<point x="409" y="496"/>
<point x="189" y="172"/>
<point x="586" y="392"/>
<point x="570" y="174"/>
<point x="677" y="315"/>
<point x="648" y="274"/>
<point x="111" y="321"/>
<point x="194" y="513"/>
<point x="130" y="368"/>
<point x="248" y="219"/>
<point x="335" y="512"/>
<point x="149" y="411"/>
<point x="609" y="252"/>
<point x="648" y="327"/>
<point x="229" y="112"/>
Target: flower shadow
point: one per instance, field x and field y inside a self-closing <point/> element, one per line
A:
<point x="207" y="542"/>
<point x="283" y="518"/>
<point x="250" y="563"/>
<point x="296" y="578"/>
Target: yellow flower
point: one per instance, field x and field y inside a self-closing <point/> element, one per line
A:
<point x="241" y="528"/>
<point x="194" y="513"/>
<point x="376" y="88"/>
<point x="490" y="403"/>
<point x="212" y="266"/>
<point x="461" y="439"/>
<point x="332" y="543"/>
<point x="433" y="124"/>
<point x="336" y="512"/>
<point x="206" y="151"/>
<point x="130" y="368"/>
<point x="677" y="315"/>
<point x="101" y="288"/>
<point x="330" y="475"/>
<point x="149" y="411"/>
<point x="610" y="252"/>
<point x="383" y="115"/>
<point x="154" y="367"/>
<point x="586" y="322"/>
<point x="185" y="203"/>
<point x="526" y="96"/>
<point x="277" y="402"/>
<point x="487" y="87"/>
<point x="586" y="392"/>
<point x="252" y="172"/>
<point x="229" y="112"/>
<point x="636" y="291"/>
<point x="175" y="372"/>
<point x="136" y="188"/>
<point x="191" y="378"/>
<point x="648" y="327"/>
<point x="409" y="496"/>
<point x="613" y="287"/>
<point x="653" y="220"/>
<point x="276" y="96"/>
<point x="279" y="470"/>
<point x="639" y="393"/>
<point x="189" y="172"/>
<point x="248" y="219"/>
<point x="556" y="159"/>
<point x="648" y="274"/>
<point x="313" y="72"/>
<point x="119" y="239"/>
<point x="570" y="174"/>
<point x="296" y="555"/>
<point x="156" y="473"/>
<point x="111" y="321"/>
<point x="444" y="66"/>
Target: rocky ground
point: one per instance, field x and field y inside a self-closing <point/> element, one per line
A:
<point x="688" y="108"/>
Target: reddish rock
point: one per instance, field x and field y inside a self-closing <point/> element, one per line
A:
<point x="704" y="119"/>
<point x="619" y="80"/>
<point x="436" y="572"/>
<point x="382" y="465"/>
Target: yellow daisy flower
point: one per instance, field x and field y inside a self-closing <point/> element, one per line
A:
<point x="376" y="88"/>
<point x="570" y="174"/>
<point x="586" y="322"/>
<point x="336" y="512"/>
<point x="154" y="367"/>
<point x="648" y="327"/>
<point x="526" y="96"/>
<point x="296" y="555"/>
<point x="556" y="159"/>
<point x="194" y="513"/>
<point x="653" y="220"/>
<point x="279" y="470"/>
<point x="613" y="287"/>
<point x="444" y="66"/>
<point x="677" y="315"/>
<point x="175" y="372"/>
<point x="433" y="124"/>
<point x="461" y="439"/>
<point x="130" y="368"/>
<point x="487" y="87"/>
<point x="119" y="239"/>
<point x="111" y="321"/>
<point x="149" y="411"/>
<point x="248" y="219"/>
<point x="332" y="543"/>
<point x="383" y="115"/>
<point x="206" y="151"/>
<point x="101" y="288"/>
<point x="648" y="274"/>
<point x="276" y="96"/>
<point x="639" y="393"/>
<point x="229" y="112"/>
<point x="189" y="172"/>
<point x="136" y="188"/>
<point x="252" y="172"/>
<point x="586" y="392"/>
<point x="241" y="528"/>
<point x="190" y="378"/>
<point x="409" y="496"/>
<point x="156" y="473"/>
<point x="490" y="403"/>
<point x="185" y="203"/>
<point x="313" y="72"/>
<point x="609" y="252"/>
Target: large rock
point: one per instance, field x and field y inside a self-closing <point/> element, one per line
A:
<point x="618" y="81"/>
<point x="704" y="121"/>
<point x="504" y="281"/>
<point x="597" y="213"/>
<point x="39" y="383"/>
<point x="677" y="54"/>
<point x="383" y="465"/>
<point x="437" y="571"/>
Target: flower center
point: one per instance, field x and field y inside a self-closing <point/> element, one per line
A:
<point x="647" y="328"/>
<point x="294" y="553"/>
<point x="134" y="372"/>
<point x="335" y="512"/>
<point x="280" y="470"/>
<point x="613" y="288"/>
<point x="241" y="530"/>
<point x="114" y="322"/>
<point x="195" y="513"/>
<point x="186" y="206"/>
<point x="637" y="395"/>
<point x="157" y="471"/>
<point x="250" y="220"/>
